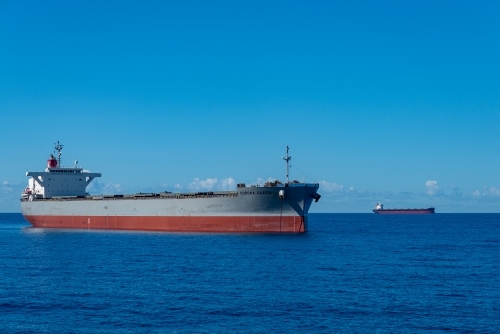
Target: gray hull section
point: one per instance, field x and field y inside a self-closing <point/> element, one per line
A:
<point x="246" y="201"/>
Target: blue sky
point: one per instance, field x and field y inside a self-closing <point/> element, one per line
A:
<point x="379" y="101"/>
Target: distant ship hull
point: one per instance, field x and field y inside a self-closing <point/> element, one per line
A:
<point x="405" y="211"/>
<point x="249" y="209"/>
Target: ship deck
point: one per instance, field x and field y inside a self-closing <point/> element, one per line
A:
<point x="139" y="196"/>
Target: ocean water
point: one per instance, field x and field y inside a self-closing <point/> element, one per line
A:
<point x="349" y="273"/>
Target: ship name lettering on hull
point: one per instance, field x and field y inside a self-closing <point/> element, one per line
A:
<point x="264" y="192"/>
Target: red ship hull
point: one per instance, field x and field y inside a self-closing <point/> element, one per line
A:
<point x="255" y="224"/>
<point x="405" y="211"/>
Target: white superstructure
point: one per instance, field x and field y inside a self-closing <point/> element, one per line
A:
<point x="58" y="181"/>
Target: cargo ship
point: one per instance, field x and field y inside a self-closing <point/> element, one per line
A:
<point x="57" y="198"/>
<point x="379" y="209"/>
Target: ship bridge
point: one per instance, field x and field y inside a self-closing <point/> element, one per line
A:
<point x="57" y="180"/>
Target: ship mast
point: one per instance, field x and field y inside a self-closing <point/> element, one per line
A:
<point x="58" y="147"/>
<point x="287" y="159"/>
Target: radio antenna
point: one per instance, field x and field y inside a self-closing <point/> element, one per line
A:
<point x="287" y="159"/>
<point x="58" y="147"/>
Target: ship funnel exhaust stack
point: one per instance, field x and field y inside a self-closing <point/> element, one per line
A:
<point x="52" y="162"/>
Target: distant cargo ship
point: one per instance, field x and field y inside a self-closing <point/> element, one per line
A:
<point x="57" y="198"/>
<point x="379" y="209"/>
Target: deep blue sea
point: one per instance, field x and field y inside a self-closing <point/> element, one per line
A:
<point x="349" y="273"/>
